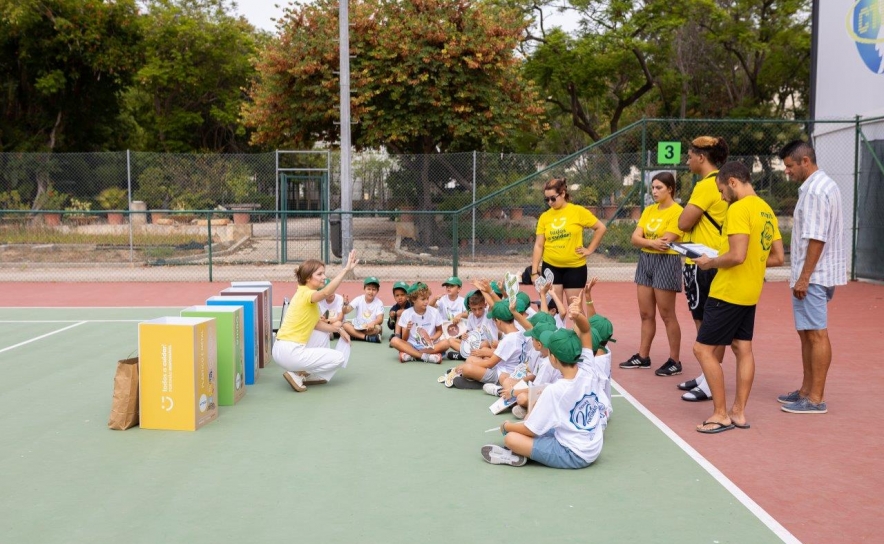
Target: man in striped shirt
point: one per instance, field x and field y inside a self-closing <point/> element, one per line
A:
<point x="819" y="263"/>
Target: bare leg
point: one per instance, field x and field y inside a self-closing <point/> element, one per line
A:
<point x="519" y="443"/>
<point x="820" y="358"/>
<point x="745" y="376"/>
<point x="405" y="347"/>
<point x="666" y="305"/>
<point x="705" y="354"/>
<point x="359" y="335"/>
<point x="647" y="309"/>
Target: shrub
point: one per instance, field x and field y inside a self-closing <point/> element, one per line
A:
<point x="113" y="198"/>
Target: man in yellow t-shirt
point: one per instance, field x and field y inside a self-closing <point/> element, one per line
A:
<point x="752" y="244"/>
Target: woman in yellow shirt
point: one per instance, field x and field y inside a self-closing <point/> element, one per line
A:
<point x="297" y="347"/>
<point x="559" y="243"/>
<point x="658" y="274"/>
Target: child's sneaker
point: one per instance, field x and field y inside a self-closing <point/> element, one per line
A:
<point x="519" y="412"/>
<point x="497" y="455"/>
<point x="433" y="358"/>
<point x="636" y="362"/>
<point x="404" y="357"/>
<point x="449" y="378"/>
<point x="491" y="389"/>
<point x="455" y="356"/>
<point x="296" y="381"/>
<point x="373" y="338"/>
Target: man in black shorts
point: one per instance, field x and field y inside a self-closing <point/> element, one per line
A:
<point x="752" y="244"/>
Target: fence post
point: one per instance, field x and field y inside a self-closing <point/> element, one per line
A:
<point x="855" y="194"/>
<point x="129" y="190"/>
<point x="455" y="243"/>
<point x="473" y="243"/>
<point x="209" y="227"/>
<point x="644" y="159"/>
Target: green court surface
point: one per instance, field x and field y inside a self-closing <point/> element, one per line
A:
<point x="383" y="453"/>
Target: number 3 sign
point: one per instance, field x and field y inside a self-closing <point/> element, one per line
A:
<point x="668" y="152"/>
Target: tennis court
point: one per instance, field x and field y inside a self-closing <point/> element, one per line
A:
<point x="384" y="453"/>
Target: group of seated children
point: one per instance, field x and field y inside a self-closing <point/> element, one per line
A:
<point x="514" y="352"/>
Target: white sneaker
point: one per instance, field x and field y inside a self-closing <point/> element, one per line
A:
<point x="296" y="381"/>
<point x="491" y="389"/>
<point x="497" y="455"/>
<point x="404" y="357"/>
<point x="313" y="379"/>
<point x="519" y="412"/>
<point x="434" y="358"/>
<point x="449" y="378"/>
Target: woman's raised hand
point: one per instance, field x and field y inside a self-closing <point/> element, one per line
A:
<point x="352" y="261"/>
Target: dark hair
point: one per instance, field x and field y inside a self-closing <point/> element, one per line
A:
<point x="735" y="169"/>
<point x="667" y="179"/>
<point x="307" y="269"/>
<point x="714" y="148"/>
<point x="560" y="186"/>
<point x="797" y="150"/>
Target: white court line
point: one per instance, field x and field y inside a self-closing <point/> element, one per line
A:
<point x="43" y="336"/>
<point x="738" y="493"/>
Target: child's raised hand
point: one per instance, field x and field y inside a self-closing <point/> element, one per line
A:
<point x="346" y="300"/>
<point x="574" y="308"/>
<point x="482" y="285"/>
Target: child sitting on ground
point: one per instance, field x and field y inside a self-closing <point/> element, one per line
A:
<point x="508" y="353"/>
<point x="451" y="303"/>
<point x="565" y="427"/>
<point x="366" y="325"/>
<point x="477" y="320"/>
<point x="331" y="312"/>
<point x="400" y="295"/>
<point x="421" y="327"/>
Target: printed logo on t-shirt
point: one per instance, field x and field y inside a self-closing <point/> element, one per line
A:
<point x="557" y="229"/>
<point x="654" y="224"/>
<point x="587" y="412"/>
<point x="767" y="235"/>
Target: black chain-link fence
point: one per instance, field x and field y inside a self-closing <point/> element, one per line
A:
<point x="175" y="217"/>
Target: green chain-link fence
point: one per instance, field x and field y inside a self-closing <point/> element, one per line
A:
<point x="414" y="216"/>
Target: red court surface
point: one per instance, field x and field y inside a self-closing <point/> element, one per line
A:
<point x="815" y="474"/>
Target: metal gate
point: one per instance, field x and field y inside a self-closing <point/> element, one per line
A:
<point x="303" y="191"/>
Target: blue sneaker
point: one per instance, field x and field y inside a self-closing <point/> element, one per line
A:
<point x="789" y="398"/>
<point x="804" y="406"/>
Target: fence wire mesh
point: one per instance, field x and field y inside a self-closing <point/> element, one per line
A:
<point x="178" y="217"/>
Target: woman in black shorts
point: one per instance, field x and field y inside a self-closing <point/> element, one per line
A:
<point x="559" y="244"/>
<point x="658" y="274"/>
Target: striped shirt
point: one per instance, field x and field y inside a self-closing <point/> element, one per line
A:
<point x="818" y="216"/>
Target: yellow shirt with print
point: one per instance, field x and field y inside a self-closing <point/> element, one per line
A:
<point x="742" y="284"/>
<point x="656" y="222"/>
<point x="562" y="230"/>
<point x="707" y="197"/>
<point x="300" y="317"/>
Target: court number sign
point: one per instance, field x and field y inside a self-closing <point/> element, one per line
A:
<point x="668" y="152"/>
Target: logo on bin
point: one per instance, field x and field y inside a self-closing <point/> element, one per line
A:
<point x="204" y="403"/>
<point x="171" y="403"/>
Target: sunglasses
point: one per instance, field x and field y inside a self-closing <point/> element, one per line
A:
<point x="551" y="198"/>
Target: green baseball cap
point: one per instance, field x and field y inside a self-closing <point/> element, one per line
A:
<point x="544" y="337"/>
<point x="523" y="301"/>
<point x="453" y="280"/>
<point x="326" y="282"/>
<point x="539" y="329"/>
<point x="496" y="288"/>
<point x="466" y="299"/>
<point x="371" y="280"/>
<point x="542" y="317"/>
<point x="416" y="287"/>
<point x="400" y="285"/>
<point x="566" y="346"/>
<point x="501" y="310"/>
<point x="603" y="327"/>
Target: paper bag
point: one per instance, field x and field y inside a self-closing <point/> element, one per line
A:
<point x="124" y="410"/>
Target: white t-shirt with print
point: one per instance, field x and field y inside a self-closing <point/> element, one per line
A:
<point x="598" y="371"/>
<point x="365" y="311"/>
<point x="546" y="373"/>
<point x="511" y="351"/>
<point x="448" y="308"/>
<point x="429" y="321"/>
<point x="333" y="308"/>
<point x="484" y="322"/>
<point x="576" y="413"/>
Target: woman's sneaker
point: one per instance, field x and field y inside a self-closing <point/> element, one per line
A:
<point x="636" y="362"/>
<point x="296" y="381"/>
<point x="669" y="368"/>
<point x="497" y="455"/>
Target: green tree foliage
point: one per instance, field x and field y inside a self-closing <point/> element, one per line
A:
<point x="63" y="64"/>
<point x="188" y="93"/>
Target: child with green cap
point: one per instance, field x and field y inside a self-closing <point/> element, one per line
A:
<point x="477" y="320"/>
<point x="450" y="304"/>
<point x="565" y="429"/>
<point x="400" y="295"/>
<point x="508" y="353"/>
<point x="421" y="327"/>
<point x="366" y="325"/>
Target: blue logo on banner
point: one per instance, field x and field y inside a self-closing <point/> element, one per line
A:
<point x="865" y="26"/>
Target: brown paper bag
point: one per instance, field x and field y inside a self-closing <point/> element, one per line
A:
<point x="124" y="410"/>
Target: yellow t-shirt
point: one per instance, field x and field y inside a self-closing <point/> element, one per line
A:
<point x="656" y="222"/>
<point x="742" y="284"/>
<point x="300" y="317"/>
<point x="707" y="197"/>
<point x="562" y="230"/>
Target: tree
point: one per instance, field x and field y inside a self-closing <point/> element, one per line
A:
<point x="429" y="76"/>
<point x="189" y="91"/>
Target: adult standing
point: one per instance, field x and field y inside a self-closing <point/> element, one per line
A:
<point x="701" y="223"/>
<point x="819" y="263"/>
<point x="559" y="243"/>
<point x="752" y="244"/>
<point x="658" y="274"/>
<point x="297" y="347"/>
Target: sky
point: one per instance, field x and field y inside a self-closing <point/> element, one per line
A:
<point x="260" y="13"/>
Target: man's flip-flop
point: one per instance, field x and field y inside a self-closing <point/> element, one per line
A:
<point x="744" y="426"/>
<point x="720" y="429"/>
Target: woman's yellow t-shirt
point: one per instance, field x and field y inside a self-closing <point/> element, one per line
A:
<point x="562" y="230"/>
<point x="742" y="284"/>
<point x="300" y="318"/>
<point x="656" y="222"/>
